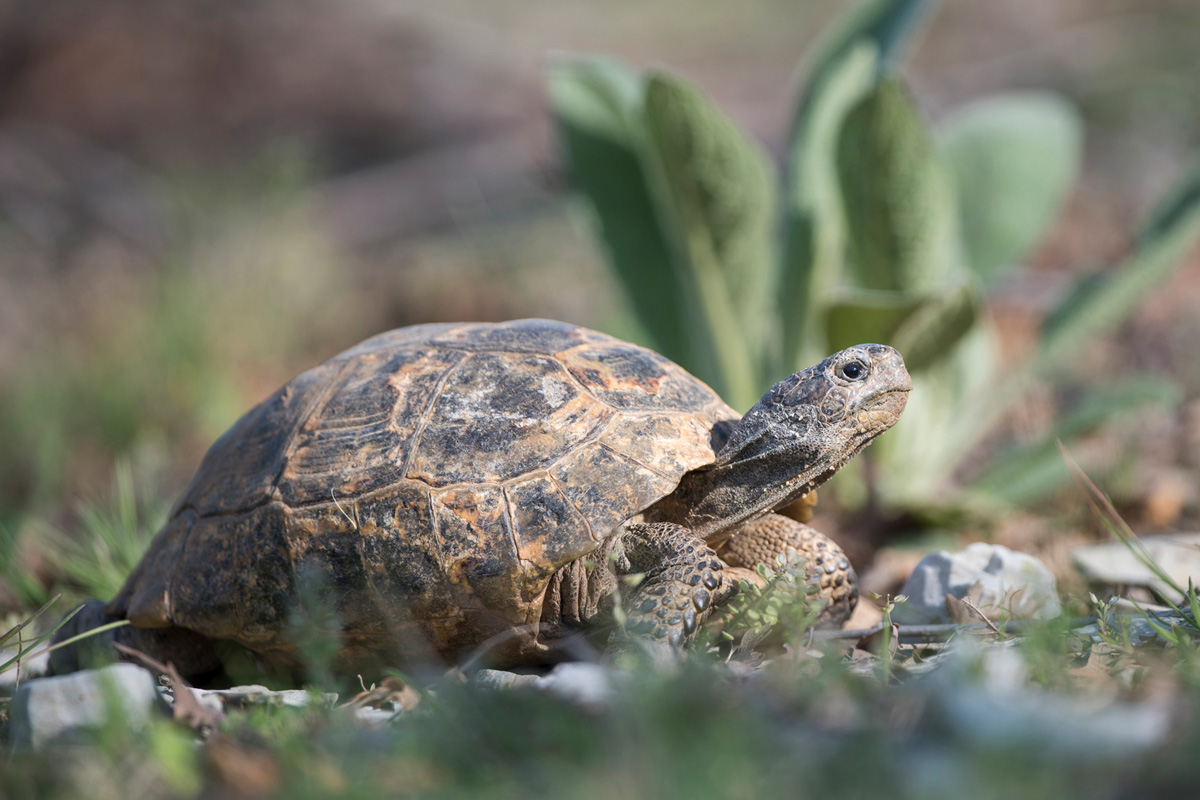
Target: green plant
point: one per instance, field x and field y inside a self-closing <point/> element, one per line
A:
<point x="1184" y="634"/>
<point x="889" y="639"/>
<point x="780" y="601"/>
<point x="95" y="558"/>
<point x="877" y="230"/>
<point x="26" y="650"/>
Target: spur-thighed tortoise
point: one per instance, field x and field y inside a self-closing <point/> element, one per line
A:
<point x="454" y="482"/>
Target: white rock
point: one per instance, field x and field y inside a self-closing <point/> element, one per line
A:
<point x="374" y="718"/>
<point x="580" y="682"/>
<point x="46" y="709"/>
<point x="1113" y="564"/>
<point x="254" y="694"/>
<point x="501" y="679"/>
<point x="1016" y="584"/>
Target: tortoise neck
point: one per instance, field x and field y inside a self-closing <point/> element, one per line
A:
<point x="713" y="501"/>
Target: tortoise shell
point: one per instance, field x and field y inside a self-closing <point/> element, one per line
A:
<point x="435" y="477"/>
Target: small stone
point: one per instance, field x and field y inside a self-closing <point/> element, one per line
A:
<point x="1113" y="564"/>
<point x="254" y="694"/>
<point x="580" y="682"/>
<point x="209" y="701"/>
<point x="501" y="679"/>
<point x="375" y="718"/>
<point x="1001" y="582"/>
<point x="983" y="696"/>
<point x="47" y="709"/>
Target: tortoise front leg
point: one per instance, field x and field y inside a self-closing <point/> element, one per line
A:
<point x="826" y="567"/>
<point x="682" y="583"/>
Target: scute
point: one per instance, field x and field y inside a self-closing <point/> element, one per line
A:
<point x="240" y="469"/>
<point x="235" y="576"/>
<point x="540" y="336"/>
<point x="632" y="378"/>
<point x="393" y="339"/>
<point x="360" y="437"/>
<point x="668" y="444"/>
<point x="500" y="416"/>
<point x="402" y="557"/>
<point x="474" y="537"/>
<point x="605" y="485"/>
<point x="550" y="529"/>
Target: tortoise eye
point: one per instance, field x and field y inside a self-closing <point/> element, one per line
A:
<point x="853" y="370"/>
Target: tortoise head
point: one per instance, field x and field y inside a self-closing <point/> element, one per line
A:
<point x="802" y="431"/>
<point x="807" y="426"/>
<point x="856" y="393"/>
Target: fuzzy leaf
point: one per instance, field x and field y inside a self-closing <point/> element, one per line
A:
<point x="898" y="206"/>
<point x="1012" y="158"/>
<point x="720" y="193"/>
<point x="854" y="316"/>
<point x="597" y="105"/>
<point x="847" y="62"/>
<point x="932" y="332"/>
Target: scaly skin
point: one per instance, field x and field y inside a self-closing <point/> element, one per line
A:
<point x="828" y="571"/>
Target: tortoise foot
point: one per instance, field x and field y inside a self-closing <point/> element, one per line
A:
<point x="682" y="583"/>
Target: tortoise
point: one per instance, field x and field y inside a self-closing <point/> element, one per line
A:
<point x="462" y="484"/>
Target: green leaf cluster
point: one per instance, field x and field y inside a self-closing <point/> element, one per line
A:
<point x="875" y="228"/>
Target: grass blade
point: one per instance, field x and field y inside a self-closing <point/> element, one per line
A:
<point x="25" y="651"/>
<point x="21" y="625"/>
<point x="1099" y="302"/>
<point x="1113" y="521"/>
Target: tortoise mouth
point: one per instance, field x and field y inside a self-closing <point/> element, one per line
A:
<point x="881" y="411"/>
<point x="889" y="398"/>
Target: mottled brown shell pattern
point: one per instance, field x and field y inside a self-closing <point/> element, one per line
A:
<point x="437" y="476"/>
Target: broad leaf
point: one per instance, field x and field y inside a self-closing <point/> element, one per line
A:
<point x="1027" y="473"/>
<point x="919" y="456"/>
<point x="1096" y="305"/>
<point x="846" y="64"/>
<point x="931" y="333"/>
<point x="924" y="328"/>
<point x="854" y="316"/>
<point x="597" y="105"/>
<point x="719" y="190"/>
<point x="1102" y="301"/>
<point x="1013" y="158"/>
<point x="899" y="212"/>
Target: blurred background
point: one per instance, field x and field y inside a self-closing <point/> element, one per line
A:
<point x="198" y="201"/>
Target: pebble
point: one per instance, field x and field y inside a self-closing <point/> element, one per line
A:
<point x="1113" y="564"/>
<point x="254" y="694"/>
<point x="47" y="710"/>
<point x="374" y="718"/>
<point x="501" y="679"/>
<point x="581" y="683"/>
<point x="1009" y="583"/>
